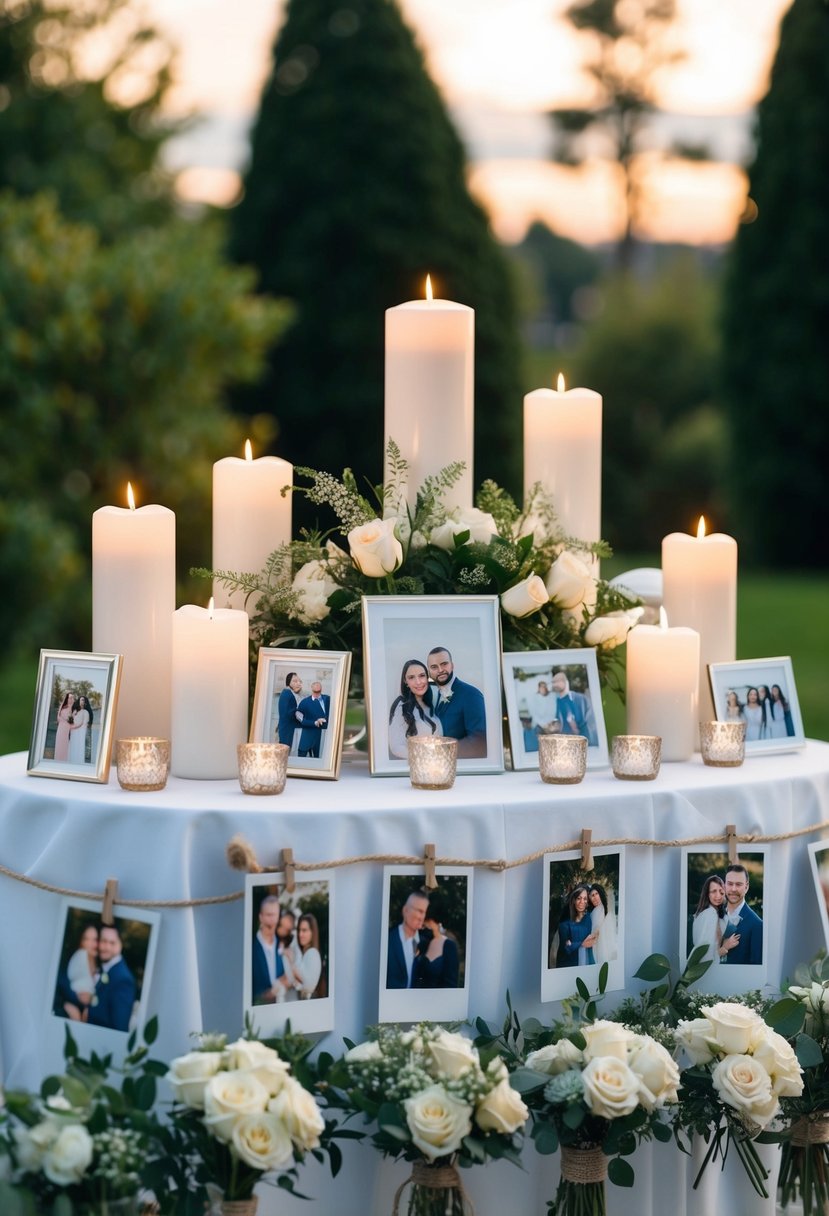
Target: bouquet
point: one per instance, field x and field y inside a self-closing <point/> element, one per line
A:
<point x="80" y="1143"/>
<point x="436" y="1102"/>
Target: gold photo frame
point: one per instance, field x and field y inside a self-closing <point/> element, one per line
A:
<point x="74" y="715"/>
<point x="316" y="751"/>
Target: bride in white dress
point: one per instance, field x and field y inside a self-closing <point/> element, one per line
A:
<point x="603" y="923"/>
<point x="77" y="737"/>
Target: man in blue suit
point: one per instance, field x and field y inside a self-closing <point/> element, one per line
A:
<point x="313" y="714"/>
<point x="288" y="708"/>
<point x="574" y="711"/>
<point x="116" y="989"/>
<point x="267" y="969"/>
<point x="741" y="920"/>
<point x="405" y="943"/>
<point x="459" y="707"/>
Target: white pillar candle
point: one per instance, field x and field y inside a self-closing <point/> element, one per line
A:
<point x="133" y="597"/>
<point x="662" y="686"/>
<point x="700" y="590"/>
<point x="210" y="690"/>
<point x="429" y="410"/>
<point x="563" y="451"/>
<point x="250" y="516"/>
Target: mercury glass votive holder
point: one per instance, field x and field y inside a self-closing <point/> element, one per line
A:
<point x="433" y="762"/>
<point x="562" y="759"/>
<point x="263" y="767"/>
<point x="723" y="744"/>
<point x="142" y="763"/>
<point x="636" y="757"/>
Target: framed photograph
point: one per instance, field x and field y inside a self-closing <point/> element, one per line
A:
<point x="300" y="700"/>
<point x="288" y="956"/>
<point x="582" y="922"/>
<point x="433" y="667"/>
<point x="819" y="859"/>
<point x="424" y="945"/>
<point x="723" y="907"/>
<point x="553" y="692"/>
<point x="761" y="693"/>
<point x="101" y="974"/>
<point x="74" y="715"/>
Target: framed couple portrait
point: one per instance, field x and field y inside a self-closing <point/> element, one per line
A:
<point x="582" y="922"/>
<point x="74" y="715"/>
<point x="761" y="693"/>
<point x="725" y="907"/>
<point x="432" y="667"/>
<point x="300" y="700"/>
<point x="553" y="692"/>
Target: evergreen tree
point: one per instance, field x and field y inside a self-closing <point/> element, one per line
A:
<point x="776" y="355"/>
<point x="355" y="191"/>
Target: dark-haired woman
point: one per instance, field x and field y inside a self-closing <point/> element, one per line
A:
<point x="709" y="921"/>
<point x="65" y="721"/>
<point x="575" y="933"/>
<point x="602" y="924"/>
<point x="780" y="718"/>
<point x="411" y="712"/>
<point x="306" y="960"/>
<point x="82" y="713"/>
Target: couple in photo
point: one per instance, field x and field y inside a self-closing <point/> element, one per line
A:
<point x="74" y="719"/>
<point x="96" y="985"/>
<point x="556" y="709"/>
<point x="308" y="715"/>
<point x="433" y="701"/>
<point x="731" y="931"/>
<point x="421" y="954"/>
<point x="587" y="929"/>
<point x="287" y="963"/>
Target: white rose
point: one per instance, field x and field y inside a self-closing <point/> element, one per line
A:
<point x="502" y="1110"/>
<point x="299" y="1112"/>
<point x="733" y="1026"/>
<point x="605" y="1038"/>
<point x="657" y="1070"/>
<point x="189" y="1074"/>
<point x="611" y="630"/>
<point x="525" y="597"/>
<point x="451" y="1054"/>
<point x="780" y="1062"/>
<point x="32" y="1142"/>
<point x="570" y="581"/>
<point x="229" y="1095"/>
<point x="696" y="1038"/>
<point x="364" y="1053"/>
<point x="555" y="1057"/>
<point x="438" y="1122"/>
<point x="479" y="524"/>
<point x="611" y="1089"/>
<point x="67" y="1159"/>
<point x="375" y="550"/>
<point x="260" y="1061"/>
<point x="313" y="585"/>
<point x="497" y="1069"/>
<point x="262" y="1142"/>
<point x="743" y="1083"/>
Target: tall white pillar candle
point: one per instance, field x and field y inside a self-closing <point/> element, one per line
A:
<point x="210" y="690"/>
<point x="429" y="409"/>
<point x="662" y="687"/>
<point x="133" y="597"/>
<point x="563" y="451"/>
<point x="251" y="518"/>
<point x="700" y="590"/>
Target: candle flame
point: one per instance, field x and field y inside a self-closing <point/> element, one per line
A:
<point x="663" y="618"/>
<point x="429" y="295"/>
<point x="130" y="496"/>
<point x="210" y="608"/>
<point x="560" y="383"/>
<point x="701" y="527"/>
<point x="248" y="450"/>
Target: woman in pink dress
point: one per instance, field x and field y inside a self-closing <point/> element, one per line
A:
<point x="64" y="727"/>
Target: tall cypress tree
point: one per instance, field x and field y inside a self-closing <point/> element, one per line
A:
<point x="356" y="189"/>
<point x="776" y="350"/>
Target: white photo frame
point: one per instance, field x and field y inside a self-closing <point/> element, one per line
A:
<point x="819" y="861"/>
<point x="441" y="993"/>
<point x="270" y="722"/>
<point x="310" y="1009"/>
<point x="61" y="745"/>
<point x="529" y="679"/>
<point x="564" y="877"/>
<point x="701" y="866"/>
<point x="773" y="724"/>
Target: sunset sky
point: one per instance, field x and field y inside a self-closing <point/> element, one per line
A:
<point x="500" y="64"/>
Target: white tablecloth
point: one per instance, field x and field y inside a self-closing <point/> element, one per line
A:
<point x="171" y="845"/>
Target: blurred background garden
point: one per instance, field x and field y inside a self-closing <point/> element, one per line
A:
<point x="206" y="208"/>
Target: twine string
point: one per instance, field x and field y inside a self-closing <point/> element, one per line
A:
<point x="806" y="1131"/>
<point x="583" y="1165"/>
<point x="433" y="1178"/>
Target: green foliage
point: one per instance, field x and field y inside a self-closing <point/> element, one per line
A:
<point x="776" y="314"/>
<point x="356" y="189"/>
<point x="556" y="268"/>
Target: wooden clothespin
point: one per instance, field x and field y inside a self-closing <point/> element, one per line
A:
<point x="430" y="882"/>
<point x="110" y="896"/>
<point x="587" y="848"/>
<point x="731" y="836"/>
<point x="288" y="869"/>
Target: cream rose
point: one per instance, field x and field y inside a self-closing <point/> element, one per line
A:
<point x="229" y="1095"/>
<point x="744" y="1084"/>
<point x="260" y="1061"/>
<point x="375" y="550"/>
<point x="525" y="597"/>
<point x="502" y="1110"/>
<point x="780" y="1062"/>
<point x="479" y="524"/>
<point x="734" y="1026"/>
<point x="68" y="1157"/>
<point x="313" y="585"/>
<point x="570" y="581"/>
<point x="262" y="1141"/>
<point x="611" y="1089"/>
<point x="299" y="1112"/>
<point x="451" y="1054"/>
<point x="657" y="1070"/>
<point x="32" y="1142"/>
<point x="364" y="1053"/>
<point x="189" y="1074"/>
<point x="605" y="1038"/>
<point x="611" y="630"/>
<point x="438" y="1122"/>
<point x="696" y="1038"/>
<point x="555" y="1058"/>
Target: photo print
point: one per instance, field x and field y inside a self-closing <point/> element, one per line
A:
<point x="300" y="700"/>
<point x="722" y="907"/>
<point x="583" y="922"/>
<point x="74" y="715"/>
<point x="819" y="860"/>
<point x="761" y="693"/>
<point x="553" y="692"/>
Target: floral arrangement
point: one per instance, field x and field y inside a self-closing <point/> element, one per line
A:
<point x="309" y="592"/>
<point x="437" y="1102"/>
<point x="80" y="1143"/>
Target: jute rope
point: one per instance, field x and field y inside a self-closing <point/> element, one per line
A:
<point x="240" y="1207"/>
<point x="128" y="903"/>
<point x="583" y="1165"/>
<point x="433" y="1178"/>
<point x="807" y="1131"/>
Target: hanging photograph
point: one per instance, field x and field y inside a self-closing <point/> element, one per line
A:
<point x="582" y="922"/>
<point x="553" y="692"/>
<point x="288" y="956"/>
<point x="424" y="945"/>
<point x="432" y="667"/>
<point x="300" y="700"/>
<point x="819" y="859"/>
<point x="724" y="906"/>
<point x="74" y="715"/>
<point x="761" y="693"/>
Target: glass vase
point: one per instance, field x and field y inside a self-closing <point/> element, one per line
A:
<point x="804" y="1166"/>
<point x="436" y="1190"/>
<point x="581" y="1190"/>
